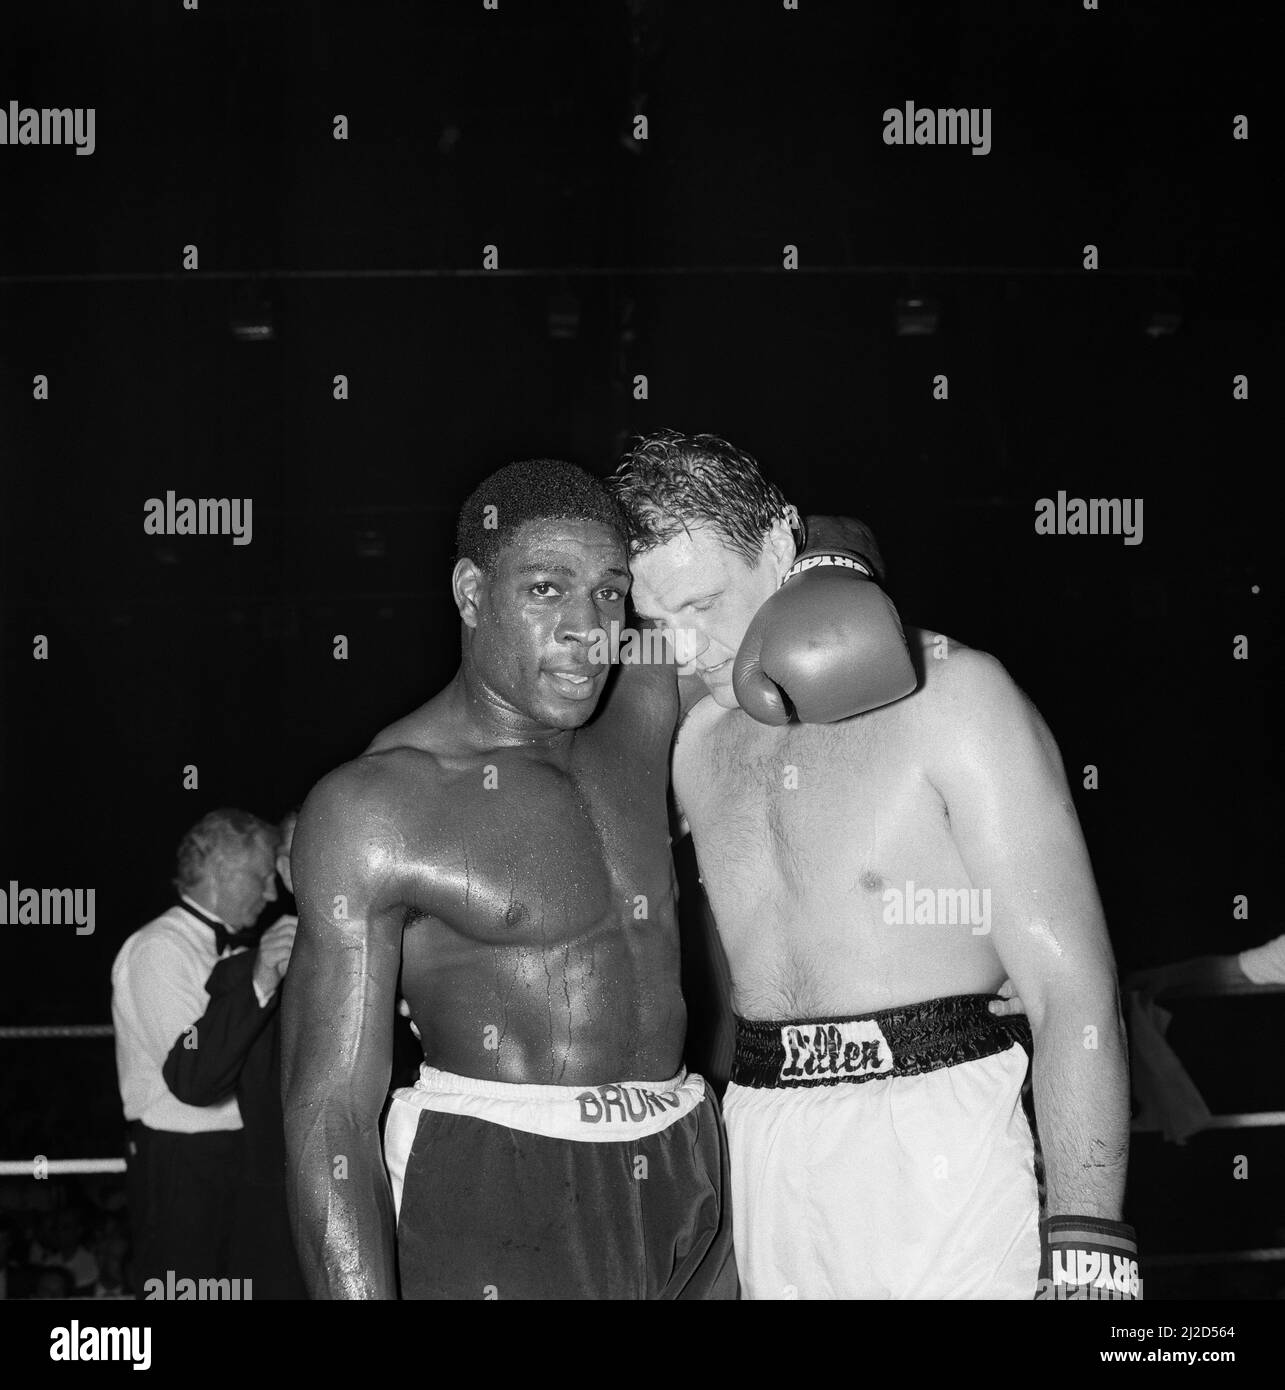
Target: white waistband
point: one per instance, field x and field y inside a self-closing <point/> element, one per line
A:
<point x="610" y="1113"/>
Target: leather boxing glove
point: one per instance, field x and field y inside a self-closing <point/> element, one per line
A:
<point x="1087" y="1257"/>
<point x="828" y="644"/>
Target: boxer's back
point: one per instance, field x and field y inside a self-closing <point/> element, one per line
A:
<point x="802" y="832"/>
<point x="535" y="887"/>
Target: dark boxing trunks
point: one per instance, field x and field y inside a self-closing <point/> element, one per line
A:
<point x="560" y="1192"/>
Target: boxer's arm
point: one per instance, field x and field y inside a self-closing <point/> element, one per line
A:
<point x="337" y="1032"/>
<point x="997" y="767"/>
<point x="641" y="707"/>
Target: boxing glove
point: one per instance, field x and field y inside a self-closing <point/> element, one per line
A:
<point x="1083" y="1257"/>
<point x="842" y="535"/>
<point x="828" y="644"/>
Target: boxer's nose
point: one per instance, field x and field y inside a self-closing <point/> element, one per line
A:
<point x="689" y="643"/>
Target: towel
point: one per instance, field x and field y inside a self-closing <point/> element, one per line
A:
<point x="1166" y="1095"/>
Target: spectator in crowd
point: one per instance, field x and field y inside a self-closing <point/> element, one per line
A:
<point x="8" y="1262"/>
<point x="61" y="1243"/>
<point x="111" y="1250"/>
<point x="53" y="1281"/>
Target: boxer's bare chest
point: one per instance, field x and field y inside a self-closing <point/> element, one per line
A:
<point x="540" y="941"/>
<point x="800" y="833"/>
<point x="514" y="846"/>
<point x="797" y="799"/>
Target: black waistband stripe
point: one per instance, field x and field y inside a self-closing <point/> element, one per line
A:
<point x="904" y="1041"/>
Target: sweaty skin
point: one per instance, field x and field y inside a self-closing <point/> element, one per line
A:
<point x="510" y="863"/>
<point x="802" y="830"/>
<point x="957" y="787"/>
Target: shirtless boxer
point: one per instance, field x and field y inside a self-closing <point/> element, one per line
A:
<point x="511" y="862"/>
<point x="879" y="1147"/>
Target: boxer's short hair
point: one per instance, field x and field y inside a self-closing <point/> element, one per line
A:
<point x="218" y="836"/>
<point x="670" y="483"/>
<point x="533" y="490"/>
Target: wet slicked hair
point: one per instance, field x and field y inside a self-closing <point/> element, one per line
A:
<point x="534" y="490"/>
<point x="670" y="483"/>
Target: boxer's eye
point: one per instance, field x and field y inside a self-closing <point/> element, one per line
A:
<point x="611" y="595"/>
<point x="543" y="584"/>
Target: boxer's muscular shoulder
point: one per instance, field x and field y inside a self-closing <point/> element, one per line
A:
<point x="953" y="672"/>
<point x="966" y="692"/>
<point x="422" y="729"/>
<point x="352" y="832"/>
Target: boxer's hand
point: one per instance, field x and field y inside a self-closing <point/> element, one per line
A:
<point x="1086" y="1257"/>
<point x="828" y="643"/>
<point x="1008" y="1003"/>
<point x="273" y="955"/>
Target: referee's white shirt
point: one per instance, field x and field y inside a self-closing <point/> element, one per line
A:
<point x="1265" y="965"/>
<point x="158" y="990"/>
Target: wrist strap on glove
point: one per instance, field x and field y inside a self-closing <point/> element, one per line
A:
<point x="1087" y="1257"/>
<point x="808" y="562"/>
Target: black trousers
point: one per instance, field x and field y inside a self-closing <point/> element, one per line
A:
<point x="262" y="1246"/>
<point x="183" y="1203"/>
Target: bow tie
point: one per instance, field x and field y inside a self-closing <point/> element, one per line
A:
<point x="223" y="938"/>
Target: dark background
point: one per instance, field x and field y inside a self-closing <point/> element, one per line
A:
<point x="469" y="127"/>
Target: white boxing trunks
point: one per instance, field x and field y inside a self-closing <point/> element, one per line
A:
<point x="885" y="1156"/>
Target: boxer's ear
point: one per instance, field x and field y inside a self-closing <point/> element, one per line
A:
<point x="781" y="546"/>
<point x="466" y="585"/>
